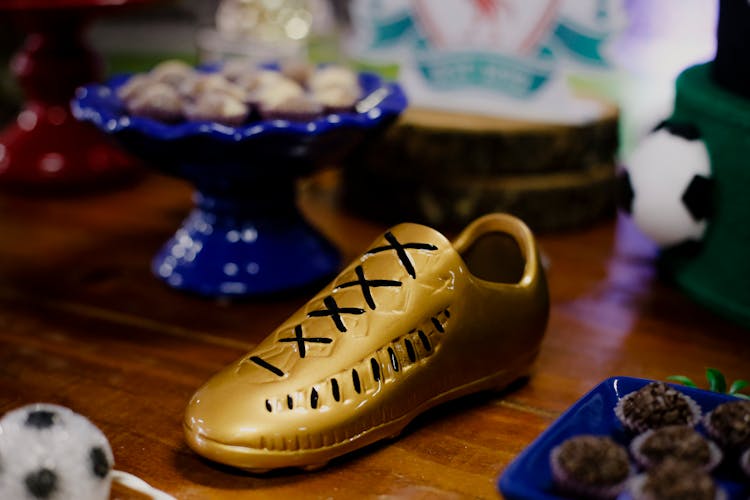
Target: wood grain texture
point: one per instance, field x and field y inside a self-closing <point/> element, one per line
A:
<point x="84" y="324"/>
<point x="447" y="144"/>
<point x="445" y="169"/>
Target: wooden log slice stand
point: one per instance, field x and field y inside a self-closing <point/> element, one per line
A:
<point x="445" y="169"/>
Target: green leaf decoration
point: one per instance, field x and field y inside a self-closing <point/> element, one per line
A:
<point x="682" y="379"/>
<point x="740" y="395"/>
<point x="737" y="386"/>
<point x="716" y="380"/>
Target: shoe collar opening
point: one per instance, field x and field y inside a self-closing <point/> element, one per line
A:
<point x="499" y="248"/>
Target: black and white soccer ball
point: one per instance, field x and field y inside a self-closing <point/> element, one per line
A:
<point x="49" y="452"/>
<point x="668" y="188"/>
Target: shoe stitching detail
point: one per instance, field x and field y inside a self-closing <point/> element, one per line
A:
<point x="300" y="340"/>
<point x="366" y="284"/>
<point x="334" y="311"/>
<point x="268" y="366"/>
<point x="400" y="249"/>
<point x="392" y="353"/>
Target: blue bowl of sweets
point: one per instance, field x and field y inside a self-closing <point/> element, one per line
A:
<point x="242" y="136"/>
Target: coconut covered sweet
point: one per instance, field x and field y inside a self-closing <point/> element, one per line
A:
<point x="239" y="93"/>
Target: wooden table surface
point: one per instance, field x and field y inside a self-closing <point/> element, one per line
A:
<point x="84" y="324"/>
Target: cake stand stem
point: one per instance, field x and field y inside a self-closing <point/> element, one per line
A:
<point x="232" y="245"/>
<point x="46" y="146"/>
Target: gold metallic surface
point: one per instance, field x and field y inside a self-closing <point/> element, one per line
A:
<point x="414" y="322"/>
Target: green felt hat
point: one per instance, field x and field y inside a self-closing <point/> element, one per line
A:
<point x="717" y="273"/>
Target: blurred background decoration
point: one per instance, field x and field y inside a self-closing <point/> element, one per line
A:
<point x="267" y="30"/>
<point x="652" y="46"/>
<point x="641" y="47"/>
<point x="45" y="148"/>
<point x="519" y="106"/>
<point x="687" y="182"/>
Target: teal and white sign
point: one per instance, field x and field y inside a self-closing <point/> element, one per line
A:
<point x="514" y="50"/>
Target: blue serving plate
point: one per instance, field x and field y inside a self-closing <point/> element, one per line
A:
<point x="529" y="476"/>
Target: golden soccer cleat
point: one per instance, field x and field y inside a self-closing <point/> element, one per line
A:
<point x="414" y="322"/>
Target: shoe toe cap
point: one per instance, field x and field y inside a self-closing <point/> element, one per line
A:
<point x="224" y="414"/>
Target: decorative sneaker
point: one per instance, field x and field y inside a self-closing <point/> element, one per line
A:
<point x="414" y="322"/>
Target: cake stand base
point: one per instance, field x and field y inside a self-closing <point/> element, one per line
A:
<point x="227" y="247"/>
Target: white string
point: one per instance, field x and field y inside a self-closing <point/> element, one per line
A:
<point x="139" y="485"/>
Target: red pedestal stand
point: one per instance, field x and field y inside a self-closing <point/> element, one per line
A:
<point x="46" y="148"/>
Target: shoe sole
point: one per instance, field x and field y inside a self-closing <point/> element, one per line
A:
<point x="259" y="460"/>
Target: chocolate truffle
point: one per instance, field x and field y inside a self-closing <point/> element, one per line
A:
<point x="656" y="405"/>
<point x="729" y="425"/>
<point x="675" y="480"/>
<point x="745" y="462"/>
<point x="592" y="467"/>
<point x="677" y="442"/>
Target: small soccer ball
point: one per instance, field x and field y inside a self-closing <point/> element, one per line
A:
<point x="49" y="452"/>
<point x="668" y="185"/>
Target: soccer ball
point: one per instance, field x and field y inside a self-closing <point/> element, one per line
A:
<point x="668" y="185"/>
<point x="49" y="452"/>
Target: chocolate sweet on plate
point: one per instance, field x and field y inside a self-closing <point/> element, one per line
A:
<point x="675" y="480"/>
<point x="676" y="442"/>
<point x="656" y="405"/>
<point x="729" y="425"/>
<point x="593" y="467"/>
